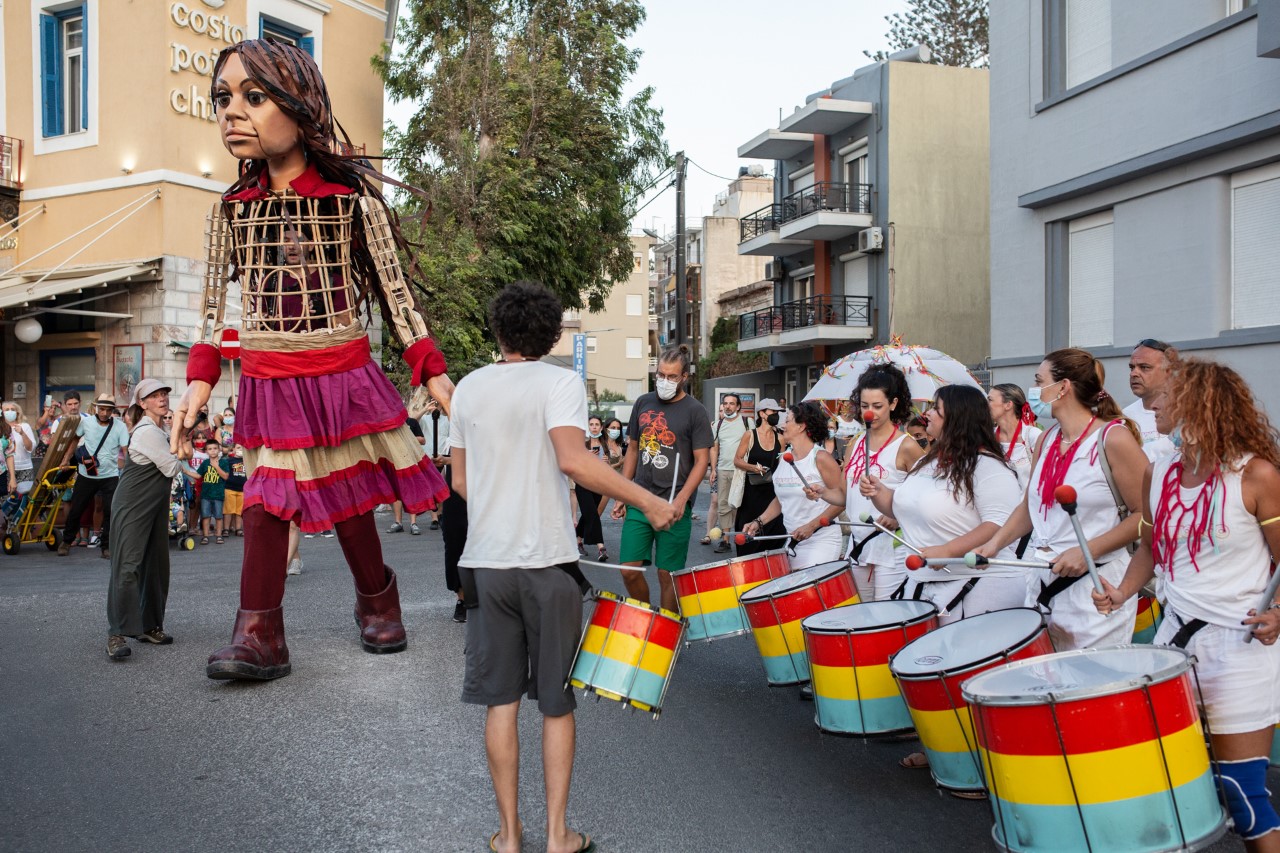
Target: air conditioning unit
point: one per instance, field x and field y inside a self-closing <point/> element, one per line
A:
<point x="773" y="270"/>
<point x="871" y="240"/>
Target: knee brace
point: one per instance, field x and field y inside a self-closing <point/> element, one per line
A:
<point x="1245" y="784"/>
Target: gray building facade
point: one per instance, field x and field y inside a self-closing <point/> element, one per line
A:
<point x="1135" y="182"/>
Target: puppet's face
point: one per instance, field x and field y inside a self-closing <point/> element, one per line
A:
<point x="253" y="126"/>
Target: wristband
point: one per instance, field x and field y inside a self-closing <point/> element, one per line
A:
<point x="425" y="361"/>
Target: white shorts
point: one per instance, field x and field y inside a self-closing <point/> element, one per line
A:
<point x="1074" y="620"/>
<point x="991" y="593"/>
<point x="1239" y="681"/>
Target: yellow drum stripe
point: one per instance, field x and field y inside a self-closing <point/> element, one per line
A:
<point x="769" y="639"/>
<point x="837" y="682"/>
<point x="709" y="601"/>
<point x="1100" y="777"/>
<point x="945" y="731"/>
<point x="626" y="649"/>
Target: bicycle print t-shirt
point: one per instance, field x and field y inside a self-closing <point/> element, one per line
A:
<point x="658" y="432"/>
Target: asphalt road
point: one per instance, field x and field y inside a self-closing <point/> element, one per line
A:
<point x="365" y="752"/>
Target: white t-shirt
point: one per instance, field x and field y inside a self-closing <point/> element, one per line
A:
<point x="517" y="498"/>
<point x="1155" y="445"/>
<point x="1022" y="453"/>
<point x="930" y="513"/>
<point x="21" y="455"/>
<point x="428" y="425"/>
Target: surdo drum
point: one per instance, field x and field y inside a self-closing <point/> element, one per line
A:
<point x="776" y="609"/>
<point x="709" y="594"/>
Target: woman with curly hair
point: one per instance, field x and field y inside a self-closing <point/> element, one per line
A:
<point x="306" y="235"/>
<point x="804" y="433"/>
<point x="883" y="401"/>
<point x="954" y="499"/>
<point x="1211" y="530"/>
<point x="1097" y="451"/>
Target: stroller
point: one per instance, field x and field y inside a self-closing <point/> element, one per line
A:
<point x="180" y="517"/>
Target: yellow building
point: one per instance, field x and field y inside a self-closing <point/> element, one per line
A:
<point x="111" y="159"/>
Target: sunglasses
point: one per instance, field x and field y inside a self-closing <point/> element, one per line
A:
<point x="1152" y="343"/>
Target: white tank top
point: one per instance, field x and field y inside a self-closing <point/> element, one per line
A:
<point x="884" y="464"/>
<point x="797" y="509"/>
<point x="1233" y="568"/>
<point x="1020" y="458"/>
<point x="1095" y="506"/>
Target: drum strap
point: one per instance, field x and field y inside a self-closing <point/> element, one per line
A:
<point x="1022" y="546"/>
<point x="960" y="596"/>
<point x="1186" y="632"/>
<point x="898" y="593"/>
<point x="856" y="553"/>
<point x="1048" y="591"/>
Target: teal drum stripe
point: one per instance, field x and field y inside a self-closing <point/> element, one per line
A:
<point x="865" y="717"/>
<point x="615" y="677"/>
<point x="782" y="670"/>
<point x="954" y="770"/>
<point x="1147" y="635"/>
<point x="723" y="623"/>
<point x="1136" y="825"/>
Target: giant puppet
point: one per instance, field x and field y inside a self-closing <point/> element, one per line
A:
<point x="310" y="243"/>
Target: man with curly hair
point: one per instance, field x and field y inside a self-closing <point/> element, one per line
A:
<point x="521" y="548"/>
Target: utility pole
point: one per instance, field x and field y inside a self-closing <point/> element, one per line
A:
<point x="682" y="308"/>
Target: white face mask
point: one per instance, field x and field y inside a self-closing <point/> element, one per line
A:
<point x="11" y="416"/>
<point x="613" y="433"/>
<point x="666" y="388"/>
<point x="730" y="416"/>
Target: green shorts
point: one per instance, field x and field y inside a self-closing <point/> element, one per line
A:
<point x="639" y="540"/>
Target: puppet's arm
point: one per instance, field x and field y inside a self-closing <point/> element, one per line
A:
<point x="205" y="361"/>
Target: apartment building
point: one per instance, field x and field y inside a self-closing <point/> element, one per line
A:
<point x="110" y="159"/>
<point x="1135" y="182"/>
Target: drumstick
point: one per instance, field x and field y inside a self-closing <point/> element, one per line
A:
<point x="827" y="522"/>
<point x="1066" y="496"/>
<point x="916" y="562"/>
<point x="593" y="564"/>
<point x="867" y="519"/>
<point x="869" y="419"/>
<point x="1267" y="597"/>
<point x="675" y="476"/>
<point x="973" y="560"/>
<point x="744" y="538"/>
<point x="790" y="459"/>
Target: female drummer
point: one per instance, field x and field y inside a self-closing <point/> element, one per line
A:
<point x="1016" y="428"/>
<point x="759" y="454"/>
<point x="813" y="543"/>
<point x="954" y="499"/>
<point x="1210" y="529"/>
<point x="1091" y="437"/>
<point x="885" y="450"/>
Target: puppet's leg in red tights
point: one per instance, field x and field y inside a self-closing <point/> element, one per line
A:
<point x="377" y="596"/>
<point x="258" y="651"/>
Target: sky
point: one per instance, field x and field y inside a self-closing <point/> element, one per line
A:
<point x="721" y="72"/>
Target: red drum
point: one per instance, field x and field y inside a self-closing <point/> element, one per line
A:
<point x="776" y="609"/>
<point x="709" y="594"/>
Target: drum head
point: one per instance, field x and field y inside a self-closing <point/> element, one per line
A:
<point x="870" y="616"/>
<point x="716" y="565"/>
<point x="796" y="580"/>
<point x="967" y="642"/>
<point x="1080" y="674"/>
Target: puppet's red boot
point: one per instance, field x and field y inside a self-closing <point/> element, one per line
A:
<point x="257" y="651"/>
<point x="378" y="616"/>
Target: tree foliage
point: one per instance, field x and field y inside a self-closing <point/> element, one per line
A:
<point x="527" y="149"/>
<point x="955" y="31"/>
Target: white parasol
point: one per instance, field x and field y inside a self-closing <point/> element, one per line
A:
<point x="926" y="369"/>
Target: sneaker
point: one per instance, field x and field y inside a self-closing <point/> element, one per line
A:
<point x="118" y="647"/>
<point x="459" y="612"/>
<point x="94" y="540"/>
<point x="308" y="536"/>
<point x="396" y="528"/>
<point x="155" y="636"/>
<point x="295" y="567"/>
<point x="415" y="529"/>
<point x="328" y="534"/>
<point x="64" y="549"/>
<point x="435" y="525"/>
<point x="722" y="547"/>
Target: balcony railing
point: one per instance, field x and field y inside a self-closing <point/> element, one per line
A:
<point x="814" y="311"/>
<point x="10" y="162"/>
<point x="826" y="195"/>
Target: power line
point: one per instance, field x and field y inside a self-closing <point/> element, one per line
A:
<point x="712" y="174"/>
<point x="655" y="198"/>
<point x="651" y="185"/>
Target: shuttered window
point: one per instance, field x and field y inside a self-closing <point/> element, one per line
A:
<point x="1255" y="249"/>
<point x="1091" y="281"/>
<point x="1088" y="40"/>
<point x="64" y="72"/>
<point x="856" y="279"/>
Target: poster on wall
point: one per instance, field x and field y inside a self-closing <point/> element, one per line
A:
<point x="127" y="371"/>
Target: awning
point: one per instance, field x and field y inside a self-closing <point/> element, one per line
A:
<point x="35" y="286"/>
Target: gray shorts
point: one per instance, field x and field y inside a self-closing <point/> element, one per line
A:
<point x="521" y="638"/>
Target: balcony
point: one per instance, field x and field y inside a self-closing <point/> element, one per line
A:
<point x="826" y="116"/>
<point x="758" y="234"/>
<point x="10" y="165"/>
<point x="776" y="145"/>
<point x="825" y="211"/>
<point x="815" y="321"/>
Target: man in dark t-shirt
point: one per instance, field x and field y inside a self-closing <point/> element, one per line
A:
<point x="670" y="446"/>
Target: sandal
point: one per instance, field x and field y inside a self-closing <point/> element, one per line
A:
<point x="220" y="540"/>
<point x="706" y="540"/>
<point x="602" y="556"/>
<point x="915" y="761"/>
<point x="204" y="540"/>
<point x="968" y="795"/>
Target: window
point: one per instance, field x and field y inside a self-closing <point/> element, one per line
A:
<point x="635" y="305"/>
<point x="64" y="72"/>
<point x="280" y="31"/>
<point x="1088" y="40"/>
<point x="635" y="347"/>
<point x="1255" y="252"/>
<point x="802" y="285"/>
<point x="635" y="387"/>
<point x="1091" y="281"/>
<point x="637" y="261"/>
<point x="857" y="277"/>
<point x="591" y="344"/>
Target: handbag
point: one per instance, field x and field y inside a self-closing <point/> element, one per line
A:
<point x="737" y="486"/>
<point x="1122" y="509"/>
<point x="90" y="460"/>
